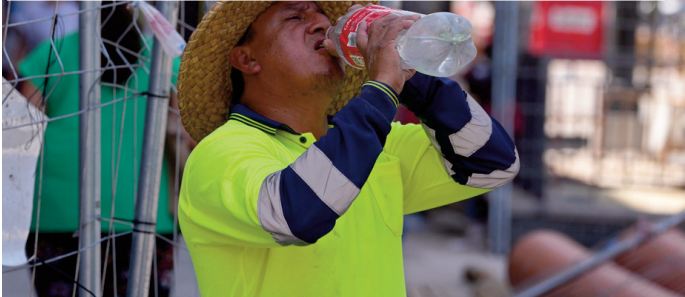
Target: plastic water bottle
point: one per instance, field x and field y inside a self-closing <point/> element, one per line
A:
<point x="172" y="42"/>
<point x="438" y="44"/>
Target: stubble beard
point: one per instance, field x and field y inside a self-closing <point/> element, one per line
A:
<point x="330" y="81"/>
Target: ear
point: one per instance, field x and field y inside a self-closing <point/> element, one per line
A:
<point x="241" y="59"/>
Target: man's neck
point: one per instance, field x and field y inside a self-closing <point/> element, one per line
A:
<point x="301" y="112"/>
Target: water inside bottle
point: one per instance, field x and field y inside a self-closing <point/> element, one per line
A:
<point x="438" y="44"/>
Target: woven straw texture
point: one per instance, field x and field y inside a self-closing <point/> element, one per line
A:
<point x="204" y="83"/>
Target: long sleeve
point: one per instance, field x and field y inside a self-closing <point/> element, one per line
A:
<point x="425" y="184"/>
<point x="475" y="149"/>
<point x="322" y="183"/>
<point x="241" y="188"/>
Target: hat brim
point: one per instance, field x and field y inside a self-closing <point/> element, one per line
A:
<point x="204" y="81"/>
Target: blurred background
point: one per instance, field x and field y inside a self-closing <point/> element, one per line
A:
<point x="593" y="93"/>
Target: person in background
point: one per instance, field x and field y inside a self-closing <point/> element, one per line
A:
<point x="28" y="24"/>
<point x="656" y="268"/>
<point x="123" y="83"/>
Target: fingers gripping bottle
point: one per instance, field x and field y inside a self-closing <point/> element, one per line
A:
<point x="438" y="44"/>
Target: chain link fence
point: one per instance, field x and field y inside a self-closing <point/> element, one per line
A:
<point x="41" y="52"/>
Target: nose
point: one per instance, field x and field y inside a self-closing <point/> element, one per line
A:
<point x="319" y="22"/>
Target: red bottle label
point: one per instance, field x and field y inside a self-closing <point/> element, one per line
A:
<point x="348" y="36"/>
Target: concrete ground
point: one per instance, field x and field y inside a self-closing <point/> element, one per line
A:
<point x="436" y="265"/>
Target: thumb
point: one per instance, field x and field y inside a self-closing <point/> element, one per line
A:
<point x="362" y="37"/>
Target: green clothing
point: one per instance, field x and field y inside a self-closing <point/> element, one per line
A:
<point x="122" y="128"/>
<point x="233" y="254"/>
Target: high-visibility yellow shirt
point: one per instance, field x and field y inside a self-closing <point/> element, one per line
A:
<point x="267" y="211"/>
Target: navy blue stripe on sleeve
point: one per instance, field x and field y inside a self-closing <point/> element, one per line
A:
<point x="308" y="217"/>
<point x="492" y="156"/>
<point x="321" y="184"/>
<point x="359" y="133"/>
<point x="476" y="148"/>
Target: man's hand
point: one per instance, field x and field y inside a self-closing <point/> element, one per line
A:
<point x="378" y="45"/>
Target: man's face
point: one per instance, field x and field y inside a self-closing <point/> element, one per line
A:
<point x="287" y="43"/>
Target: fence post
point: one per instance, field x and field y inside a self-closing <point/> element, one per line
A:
<point x="504" y="62"/>
<point x="143" y="244"/>
<point x="89" y="148"/>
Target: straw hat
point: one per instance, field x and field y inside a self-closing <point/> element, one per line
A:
<point x="204" y="82"/>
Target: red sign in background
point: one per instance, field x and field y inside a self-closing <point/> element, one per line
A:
<point x="569" y="29"/>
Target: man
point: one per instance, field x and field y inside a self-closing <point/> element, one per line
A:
<point x="281" y="200"/>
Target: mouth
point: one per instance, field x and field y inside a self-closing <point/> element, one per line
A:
<point x="318" y="45"/>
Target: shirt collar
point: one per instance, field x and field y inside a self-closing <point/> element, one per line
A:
<point x="247" y="116"/>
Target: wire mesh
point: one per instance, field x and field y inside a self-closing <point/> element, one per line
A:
<point x="123" y="80"/>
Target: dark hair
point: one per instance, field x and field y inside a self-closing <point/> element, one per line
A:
<point x="236" y="76"/>
<point x="116" y="25"/>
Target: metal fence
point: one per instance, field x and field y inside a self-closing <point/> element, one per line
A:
<point x="49" y="50"/>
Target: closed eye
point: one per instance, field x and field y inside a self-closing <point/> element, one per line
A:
<point x="295" y="17"/>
